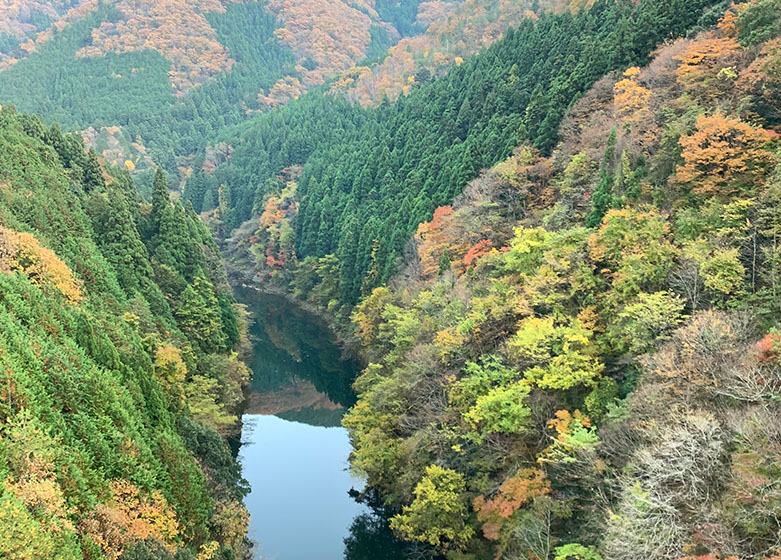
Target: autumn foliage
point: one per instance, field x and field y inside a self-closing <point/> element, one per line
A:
<point x="631" y="99"/>
<point x="327" y="38"/>
<point x="454" y="31"/>
<point x="177" y="30"/>
<point x="769" y="348"/>
<point x="16" y="21"/>
<point x="433" y="240"/>
<point x="516" y="491"/>
<point x="724" y="156"/>
<point x="20" y="251"/>
<point x="479" y="249"/>
<point x="131" y="516"/>
<point x="707" y="67"/>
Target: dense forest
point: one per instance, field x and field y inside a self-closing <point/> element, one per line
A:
<point x="174" y="76"/>
<point x="370" y="176"/>
<point x="576" y="355"/>
<point x="580" y="359"/>
<point x="551" y="229"/>
<point x="119" y="363"/>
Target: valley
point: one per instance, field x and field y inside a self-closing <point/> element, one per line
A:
<point x="458" y="280"/>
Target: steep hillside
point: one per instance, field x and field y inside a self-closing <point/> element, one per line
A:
<point x="172" y="73"/>
<point x="558" y="248"/>
<point x="370" y="176"/>
<point x="581" y="357"/>
<point x="453" y="32"/>
<point x="118" y="363"/>
<point x="26" y="24"/>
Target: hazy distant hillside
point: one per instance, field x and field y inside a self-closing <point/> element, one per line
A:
<point x="171" y="73"/>
<point x="156" y="80"/>
<point x="453" y="31"/>
<point x="24" y="23"/>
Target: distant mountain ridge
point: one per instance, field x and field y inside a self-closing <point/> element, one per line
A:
<point x="171" y="74"/>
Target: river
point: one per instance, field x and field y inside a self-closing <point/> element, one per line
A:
<point x="293" y="449"/>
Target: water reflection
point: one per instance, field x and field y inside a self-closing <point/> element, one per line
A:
<point x="370" y="537"/>
<point x="299" y="370"/>
<point x="293" y="449"/>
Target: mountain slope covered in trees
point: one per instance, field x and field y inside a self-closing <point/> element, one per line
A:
<point x="454" y="31"/>
<point x="561" y="260"/>
<point x="370" y="176"/>
<point x="173" y="73"/>
<point x="581" y="357"/>
<point x="118" y="363"/>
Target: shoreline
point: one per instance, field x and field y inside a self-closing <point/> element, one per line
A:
<point x="346" y="341"/>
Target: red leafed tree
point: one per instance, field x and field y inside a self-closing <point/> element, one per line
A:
<point x="769" y="348"/>
<point x="521" y="488"/>
<point x="479" y="249"/>
<point x="432" y="240"/>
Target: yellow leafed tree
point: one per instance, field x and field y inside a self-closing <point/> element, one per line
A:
<point x="21" y="252"/>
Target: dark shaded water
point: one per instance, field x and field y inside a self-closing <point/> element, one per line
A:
<point x="293" y="448"/>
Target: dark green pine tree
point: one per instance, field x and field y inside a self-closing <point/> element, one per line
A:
<point x="602" y="198"/>
<point x="161" y="203"/>
<point x="118" y="238"/>
<point x="93" y="173"/>
<point x="349" y="277"/>
<point x="190" y="258"/>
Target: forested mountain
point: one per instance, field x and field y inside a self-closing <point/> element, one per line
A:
<point x="23" y="24"/>
<point x="118" y="363"/>
<point x="580" y="359"/>
<point x="171" y="74"/>
<point x="370" y="176"/>
<point x="552" y="228"/>
<point x="453" y="32"/>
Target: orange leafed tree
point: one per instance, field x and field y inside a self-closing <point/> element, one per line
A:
<point x="707" y="67"/>
<point x="436" y="237"/>
<point x="723" y="156"/>
<point x="631" y="99"/>
<point x="769" y="348"/>
<point x="20" y="251"/>
<point x="518" y="490"/>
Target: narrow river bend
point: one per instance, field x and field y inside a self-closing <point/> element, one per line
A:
<point x="293" y="449"/>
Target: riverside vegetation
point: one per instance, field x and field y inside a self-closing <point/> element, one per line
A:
<point x="560" y="257"/>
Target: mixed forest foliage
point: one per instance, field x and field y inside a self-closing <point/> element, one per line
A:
<point x="131" y="88"/>
<point x="560" y="256"/>
<point x="453" y="32"/>
<point x="580" y="358"/>
<point x="370" y="176"/>
<point x="171" y="74"/>
<point x="119" y="363"/>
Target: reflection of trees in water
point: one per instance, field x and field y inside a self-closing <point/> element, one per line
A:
<point x="370" y="537"/>
<point x="314" y="416"/>
<point x="291" y="344"/>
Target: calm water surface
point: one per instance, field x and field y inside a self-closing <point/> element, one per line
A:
<point x="293" y="448"/>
